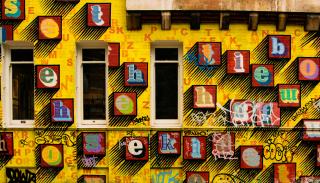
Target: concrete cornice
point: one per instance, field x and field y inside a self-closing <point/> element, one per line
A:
<point x="306" y="6"/>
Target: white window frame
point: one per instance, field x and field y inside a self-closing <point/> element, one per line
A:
<point x="81" y="123"/>
<point x="166" y="123"/>
<point x="6" y="80"/>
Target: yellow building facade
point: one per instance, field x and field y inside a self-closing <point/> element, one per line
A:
<point x="224" y="108"/>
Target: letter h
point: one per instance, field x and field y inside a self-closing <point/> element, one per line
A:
<point x="135" y="75"/>
<point x="61" y="112"/>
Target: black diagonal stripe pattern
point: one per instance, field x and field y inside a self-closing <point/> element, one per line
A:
<point x="52" y="7"/>
<point x="80" y="30"/>
<point x="313" y="38"/>
<point x="30" y="33"/>
<point x="43" y="48"/>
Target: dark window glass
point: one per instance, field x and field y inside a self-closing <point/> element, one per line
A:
<point x="166" y="90"/>
<point x="94" y="89"/>
<point x="22" y="91"/>
<point x="22" y="54"/>
<point x="93" y="54"/>
<point x="167" y="54"/>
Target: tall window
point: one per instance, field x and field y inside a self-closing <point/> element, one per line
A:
<point x="166" y="82"/>
<point x="92" y="84"/>
<point x="18" y="85"/>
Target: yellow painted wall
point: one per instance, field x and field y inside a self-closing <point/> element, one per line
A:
<point x="135" y="47"/>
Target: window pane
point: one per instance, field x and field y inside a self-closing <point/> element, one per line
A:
<point x="22" y="91"/>
<point x="22" y="54"/>
<point x="94" y="88"/>
<point x="167" y="54"/>
<point x="93" y="54"/>
<point x="166" y="90"/>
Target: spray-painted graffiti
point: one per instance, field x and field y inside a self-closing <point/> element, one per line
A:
<point x="316" y="104"/>
<point x="226" y="178"/>
<point x="20" y="175"/>
<point x="313" y="102"/>
<point x="223" y="146"/>
<point x="195" y="133"/>
<point x="250" y="113"/>
<point x="24" y="142"/>
<point x="141" y="120"/>
<point x="89" y="161"/>
<point x="165" y="177"/>
<point x="277" y="148"/>
<point x="192" y="57"/>
<point x="66" y="139"/>
<point x="200" y="117"/>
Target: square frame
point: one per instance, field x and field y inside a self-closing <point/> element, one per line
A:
<point x="70" y="105"/>
<point x="204" y="175"/>
<point x="275" y="113"/>
<point x="176" y="136"/>
<point x="58" y="148"/>
<point x="187" y="147"/>
<point x="291" y="172"/>
<point x="22" y="11"/>
<point x="249" y="111"/>
<point x="259" y="153"/>
<point x="113" y="55"/>
<point x="286" y="41"/>
<point x="105" y="8"/>
<point x="316" y="61"/>
<point x="124" y="112"/>
<point x="289" y="86"/>
<point x="218" y="153"/>
<point x="40" y="84"/>
<point x="315" y="131"/>
<point x="54" y="21"/>
<point x="101" y="177"/>
<point x="210" y="89"/>
<point x="269" y="67"/>
<point x="145" y="144"/>
<point x="101" y="143"/>
<point x="307" y="179"/>
<point x="231" y="62"/>
<point x="137" y="66"/>
<point x="215" y="48"/>
<point x="7" y="140"/>
<point x="8" y="30"/>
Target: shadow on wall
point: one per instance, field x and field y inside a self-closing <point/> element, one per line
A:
<point x="121" y="166"/>
<point x="80" y="30"/>
<point x="54" y="8"/>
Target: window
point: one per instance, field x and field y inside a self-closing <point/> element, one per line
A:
<point x="18" y="84"/>
<point x="166" y="90"/>
<point x="92" y="84"/>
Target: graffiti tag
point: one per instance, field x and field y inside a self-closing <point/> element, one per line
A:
<point x="89" y="161"/>
<point x="307" y="106"/>
<point x="17" y="175"/>
<point x="277" y="148"/>
<point x="200" y="117"/>
<point x="65" y="139"/>
<point x="163" y="176"/>
<point x="223" y="146"/>
<point x="248" y="113"/>
<point x="141" y="120"/>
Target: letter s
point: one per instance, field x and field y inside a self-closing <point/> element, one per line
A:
<point x="12" y="8"/>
